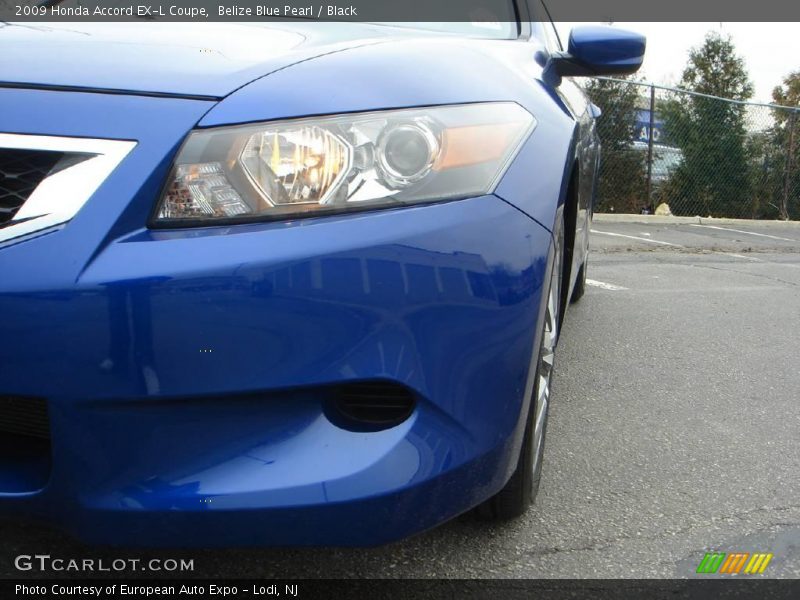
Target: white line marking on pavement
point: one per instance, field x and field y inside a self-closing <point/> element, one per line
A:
<point x="774" y="237"/>
<point x="633" y="237"/>
<point x="644" y="233"/>
<point x="733" y="254"/>
<point x="605" y="286"/>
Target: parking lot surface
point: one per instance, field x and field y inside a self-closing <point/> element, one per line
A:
<point x="674" y="429"/>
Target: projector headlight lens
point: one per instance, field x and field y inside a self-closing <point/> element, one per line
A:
<point x="307" y="167"/>
<point x="406" y="153"/>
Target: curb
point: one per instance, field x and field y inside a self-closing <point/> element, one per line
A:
<point x="663" y="220"/>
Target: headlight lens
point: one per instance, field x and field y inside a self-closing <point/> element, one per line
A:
<point x="315" y="166"/>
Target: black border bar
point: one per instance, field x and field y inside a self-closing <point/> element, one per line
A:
<point x="394" y="10"/>
<point x="400" y="589"/>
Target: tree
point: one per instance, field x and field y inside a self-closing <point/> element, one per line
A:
<point x="786" y="136"/>
<point x="716" y="70"/>
<point x="713" y="177"/>
<point x="621" y="185"/>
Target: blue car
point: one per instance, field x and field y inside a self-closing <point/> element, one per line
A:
<point x="287" y="283"/>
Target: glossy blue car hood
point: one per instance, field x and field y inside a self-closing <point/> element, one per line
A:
<point x="184" y="59"/>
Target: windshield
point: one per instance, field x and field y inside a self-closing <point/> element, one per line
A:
<point x="499" y="23"/>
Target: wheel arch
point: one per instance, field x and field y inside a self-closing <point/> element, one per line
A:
<point x="570" y="210"/>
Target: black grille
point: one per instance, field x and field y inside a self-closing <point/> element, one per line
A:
<point x="25" y="417"/>
<point x="372" y="405"/>
<point x="20" y="172"/>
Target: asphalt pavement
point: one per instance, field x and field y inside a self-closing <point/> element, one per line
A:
<point x="674" y="428"/>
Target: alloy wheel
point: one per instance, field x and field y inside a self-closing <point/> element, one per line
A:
<point x="545" y="370"/>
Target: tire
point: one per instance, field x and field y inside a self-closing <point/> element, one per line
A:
<point x="580" y="283"/>
<point x="520" y="492"/>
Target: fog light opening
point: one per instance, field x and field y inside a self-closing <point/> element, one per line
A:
<point x="370" y="405"/>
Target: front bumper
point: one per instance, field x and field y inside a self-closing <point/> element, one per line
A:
<point x="182" y="369"/>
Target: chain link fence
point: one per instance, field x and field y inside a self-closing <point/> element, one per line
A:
<point x="701" y="155"/>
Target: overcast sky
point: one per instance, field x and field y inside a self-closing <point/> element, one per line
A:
<point x="770" y="50"/>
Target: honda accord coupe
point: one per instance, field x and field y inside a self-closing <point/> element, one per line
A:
<point x="287" y="282"/>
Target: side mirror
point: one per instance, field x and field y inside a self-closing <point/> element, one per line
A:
<point x="596" y="50"/>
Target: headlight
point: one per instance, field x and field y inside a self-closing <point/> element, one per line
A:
<point x="308" y="167"/>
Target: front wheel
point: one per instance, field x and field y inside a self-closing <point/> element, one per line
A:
<point x="520" y="491"/>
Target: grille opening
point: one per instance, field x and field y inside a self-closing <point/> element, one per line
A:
<point x="370" y="405"/>
<point x="25" y="456"/>
<point x="21" y="171"/>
